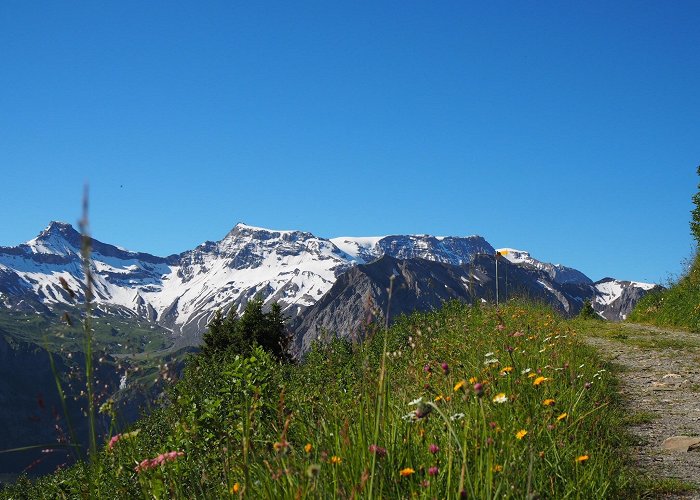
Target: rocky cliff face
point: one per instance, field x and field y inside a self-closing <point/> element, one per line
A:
<point x="615" y="299"/>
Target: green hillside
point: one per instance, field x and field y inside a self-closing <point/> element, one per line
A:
<point x="463" y="401"/>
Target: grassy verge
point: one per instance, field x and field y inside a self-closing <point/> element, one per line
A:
<point x="475" y="402"/>
<point x="677" y="306"/>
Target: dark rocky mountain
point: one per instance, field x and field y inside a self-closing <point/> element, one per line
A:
<point x="361" y="294"/>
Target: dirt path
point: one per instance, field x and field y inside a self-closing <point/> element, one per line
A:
<point x="660" y="382"/>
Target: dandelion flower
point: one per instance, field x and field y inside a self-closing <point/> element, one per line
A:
<point x="235" y="488"/>
<point x="582" y="458"/>
<point x="406" y="472"/>
<point x="438" y="398"/>
<point x="562" y="416"/>
<point x="539" y="380"/>
<point x="500" y="398"/>
<point x="548" y="402"/>
<point x="308" y="447"/>
<point x="460" y="384"/>
<point x="521" y="434"/>
<point x="473" y="380"/>
<point x="336" y="460"/>
<point x="498" y="468"/>
<point x="506" y="370"/>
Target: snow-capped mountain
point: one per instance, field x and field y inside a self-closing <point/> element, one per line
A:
<point x="557" y="272"/>
<point x="447" y="249"/>
<point x="615" y="299"/>
<point x="293" y="268"/>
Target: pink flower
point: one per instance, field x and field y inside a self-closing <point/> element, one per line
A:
<point x="445" y="367"/>
<point x="113" y="441"/>
<point x="479" y="389"/>
<point x="152" y="463"/>
<point x="433" y="471"/>
<point x="433" y="448"/>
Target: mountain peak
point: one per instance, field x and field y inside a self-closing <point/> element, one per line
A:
<point x="58" y="237"/>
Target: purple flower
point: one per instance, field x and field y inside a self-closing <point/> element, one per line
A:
<point x="433" y="471"/>
<point x="377" y="450"/>
<point x="427" y="368"/>
<point x="445" y="368"/>
<point x="479" y="389"/>
<point x="433" y="448"/>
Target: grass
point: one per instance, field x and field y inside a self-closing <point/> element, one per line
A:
<point x="677" y="306"/>
<point x="441" y="405"/>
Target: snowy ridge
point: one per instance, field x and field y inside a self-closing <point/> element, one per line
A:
<point x="557" y="272"/>
<point x="294" y="268"/>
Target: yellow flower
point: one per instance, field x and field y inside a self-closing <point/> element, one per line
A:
<point x="335" y="460"/>
<point x="506" y="370"/>
<point x="406" y="472"/>
<point x="235" y="488"/>
<point x="280" y="446"/>
<point x="473" y="380"/>
<point x="582" y="458"/>
<point x="460" y="384"/>
<point x="308" y="447"/>
<point x="520" y="434"/>
<point x="438" y="398"/>
<point x="562" y="416"/>
<point x="497" y="468"/>
<point x="531" y="374"/>
<point x="539" y="380"/>
<point x="500" y="398"/>
<point x="548" y="402"/>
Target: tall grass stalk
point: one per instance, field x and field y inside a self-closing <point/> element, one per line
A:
<point x="381" y="387"/>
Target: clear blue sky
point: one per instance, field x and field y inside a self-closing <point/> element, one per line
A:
<point x="572" y="131"/>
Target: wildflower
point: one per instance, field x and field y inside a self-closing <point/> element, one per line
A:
<point x="377" y="450"/>
<point x="336" y="460"/>
<point x="235" y="488"/>
<point x="562" y="417"/>
<point x="438" y="398"/>
<point x="587" y="385"/>
<point x="433" y="448"/>
<point x="517" y="334"/>
<point x="427" y="368"/>
<point x="406" y="472"/>
<point x="313" y="470"/>
<point x="473" y="380"/>
<point x="423" y="410"/>
<point x="308" y="447"/>
<point x="500" y="327"/>
<point x="582" y="458"/>
<point x="491" y="361"/>
<point x="152" y="463"/>
<point x="548" y="402"/>
<point x="506" y="370"/>
<point x="280" y="446"/>
<point x="457" y="416"/>
<point x="459" y="385"/>
<point x="497" y="468"/>
<point x="119" y="437"/>
<point x="433" y="471"/>
<point x="500" y="398"/>
<point x="479" y="389"/>
<point x="445" y="368"/>
<point x="526" y="370"/>
<point x="489" y="354"/>
<point x="531" y="375"/>
<point x="416" y="401"/>
<point x="521" y="434"/>
<point x="539" y="380"/>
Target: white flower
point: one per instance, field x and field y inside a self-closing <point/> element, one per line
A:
<point x="416" y="401"/>
<point x="526" y="370"/>
<point x="491" y="361"/>
<point x="488" y="354"/>
<point x="500" y="398"/>
<point x="457" y="416"/>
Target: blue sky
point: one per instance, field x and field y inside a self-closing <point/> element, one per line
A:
<point x="572" y="131"/>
